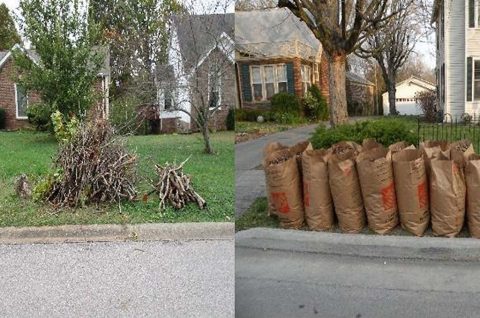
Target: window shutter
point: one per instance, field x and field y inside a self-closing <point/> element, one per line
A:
<point x="246" y="88"/>
<point x="469" y="79"/>
<point x="471" y="13"/>
<point x="290" y="79"/>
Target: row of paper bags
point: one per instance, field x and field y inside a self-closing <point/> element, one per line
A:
<point x="364" y="183"/>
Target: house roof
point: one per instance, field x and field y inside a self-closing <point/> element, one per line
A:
<point x="281" y="34"/>
<point x="198" y="34"/>
<point x="104" y="69"/>
<point x="418" y="81"/>
<point x="352" y="77"/>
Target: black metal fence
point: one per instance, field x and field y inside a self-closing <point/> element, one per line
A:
<point x="451" y="128"/>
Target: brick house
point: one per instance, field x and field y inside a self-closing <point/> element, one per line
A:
<point x="276" y="52"/>
<point x="15" y="100"/>
<point x="360" y="95"/>
<point x="200" y="72"/>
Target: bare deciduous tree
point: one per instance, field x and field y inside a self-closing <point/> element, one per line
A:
<point x="341" y="26"/>
<point x="392" y="46"/>
<point x="247" y="5"/>
<point x="205" y="69"/>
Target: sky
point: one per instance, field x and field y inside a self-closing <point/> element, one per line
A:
<point x="425" y="50"/>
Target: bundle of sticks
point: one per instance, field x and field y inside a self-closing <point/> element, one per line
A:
<point x="93" y="167"/>
<point x="175" y="188"/>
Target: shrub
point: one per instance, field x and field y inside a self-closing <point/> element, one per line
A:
<point x="2" y="118"/>
<point x="288" y="118"/>
<point x="39" y="115"/>
<point x="315" y="104"/>
<point x="64" y="129"/>
<point x="286" y="103"/>
<point x="385" y="131"/>
<point x="230" y="121"/>
<point x="427" y="101"/>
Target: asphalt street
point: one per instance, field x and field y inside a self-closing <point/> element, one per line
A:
<point x="272" y="283"/>
<point x="122" y="279"/>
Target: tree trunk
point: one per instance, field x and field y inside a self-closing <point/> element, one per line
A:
<point x="206" y="138"/>
<point x="337" y="90"/>
<point x="392" y="91"/>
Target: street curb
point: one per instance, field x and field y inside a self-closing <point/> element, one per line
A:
<point x="361" y="245"/>
<point x="116" y="232"/>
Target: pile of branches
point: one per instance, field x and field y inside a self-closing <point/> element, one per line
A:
<point x="93" y="167"/>
<point x="175" y="188"/>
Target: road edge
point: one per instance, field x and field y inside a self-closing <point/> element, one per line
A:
<point x="117" y="232"/>
<point x="360" y="245"/>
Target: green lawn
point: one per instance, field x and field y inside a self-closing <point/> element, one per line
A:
<point x="212" y="176"/>
<point x="267" y="127"/>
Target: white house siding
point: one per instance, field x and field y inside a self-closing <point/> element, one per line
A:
<point x="472" y="47"/>
<point x="182" y="96"/>
<point x="455" y="57"/>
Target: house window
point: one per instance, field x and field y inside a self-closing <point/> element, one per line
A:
<point x="282" y="78"/>
<point x="306" y="78"/>
<point x="165" y="98"/>
<point x="21" y="101"/>
<point x="257" y="83"/>
<point x="214" y="89"/>
<point x="168" y="100"/>
<point x="476" y="81"/>
<point x="268" y="80"/>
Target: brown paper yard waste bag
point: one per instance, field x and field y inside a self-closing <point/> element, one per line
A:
<point x="399" y="146"/>
<point x="447" y="196"/>
<point x="432" y="150"/>
<point x="460" y="151"/>
<point x="270" y="148"/>
<point x="284" y="188"/>
<point x="345" y="188"/>
<point x="297" y="151"/>
<point x="370" y="143"/>
<point x="375" y="172"/>
<point x="472" y="174"/>
<point x="411" y="188"/>
<point x="317" y="199"/>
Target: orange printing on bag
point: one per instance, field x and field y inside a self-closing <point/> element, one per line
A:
<point x="306" y="195"/>
<point x="280" y="201"/>
<point x="388" y="197"/>
<point x="422" y="195"/>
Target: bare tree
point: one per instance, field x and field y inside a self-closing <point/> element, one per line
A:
<point x="203" y="82"/>
<point x="247" y="5"/>
<point x="392" y="46"/>
<point x="341" y="26"/>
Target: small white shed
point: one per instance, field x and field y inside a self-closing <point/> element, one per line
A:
<point x="405" y="96"/>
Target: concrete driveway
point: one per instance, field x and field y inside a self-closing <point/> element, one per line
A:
<point x="249" y="176"/>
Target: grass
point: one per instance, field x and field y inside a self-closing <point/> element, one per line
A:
<point x="263" y="128"/>
<point x="256" y="216"/>
<point x="212" y="175"/>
